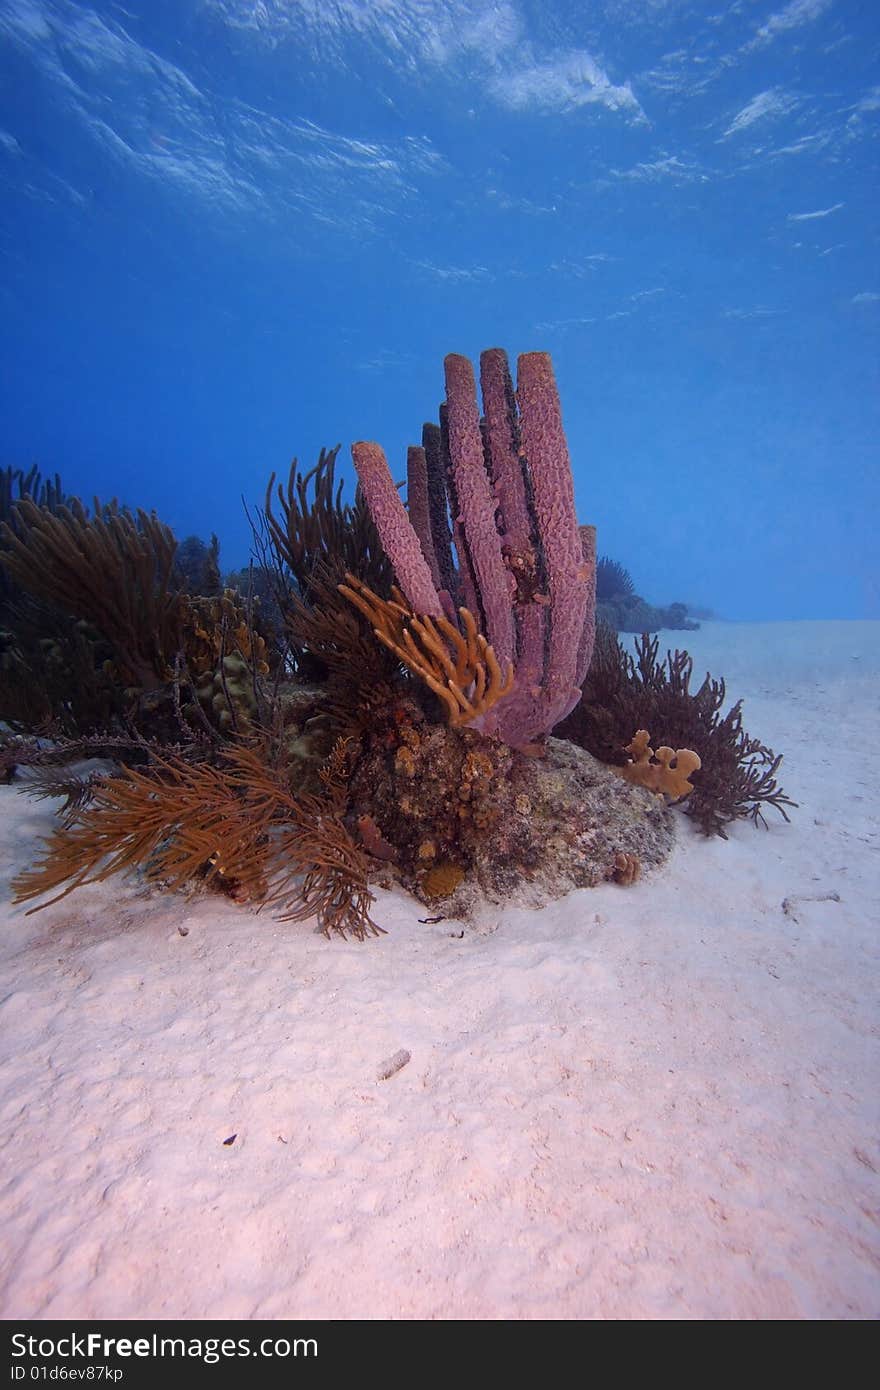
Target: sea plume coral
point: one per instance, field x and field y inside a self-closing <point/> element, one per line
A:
<point x="112" y="569"/>
<point x="737" y="777"/>
<point x="312" y="529"/>
<point x="236" y="823"/>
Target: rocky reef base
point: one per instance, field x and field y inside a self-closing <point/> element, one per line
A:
<point x="459" y="819"/>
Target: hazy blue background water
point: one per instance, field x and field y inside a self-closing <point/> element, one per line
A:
<point x="232" y="232"/>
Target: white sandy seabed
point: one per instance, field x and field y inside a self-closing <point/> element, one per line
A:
<point x="646" y="1102"/>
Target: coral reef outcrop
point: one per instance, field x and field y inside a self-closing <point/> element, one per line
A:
<point x="470" y="817"/>
<point x="447" y="732"/>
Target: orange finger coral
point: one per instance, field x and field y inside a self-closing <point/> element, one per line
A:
<point x="460" y="668"/>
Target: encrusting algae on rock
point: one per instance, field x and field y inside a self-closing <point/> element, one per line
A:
<point x="471" y="817"/>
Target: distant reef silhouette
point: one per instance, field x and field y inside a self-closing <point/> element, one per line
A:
<point x="622" y="609"/>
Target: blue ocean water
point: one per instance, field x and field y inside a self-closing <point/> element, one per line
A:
<point x="231" y="232"/>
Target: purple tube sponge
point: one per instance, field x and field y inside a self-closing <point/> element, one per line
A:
<point x="395" y="531"/>
<point x="588" y="636"/>
<point x="419" y="508"/>
<point x="438" y="506"/>
<point x="546" y="453"/>
<point x="477" y="505"/>
<point x="524" y="567"/>
<point x="502" y="440"/>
